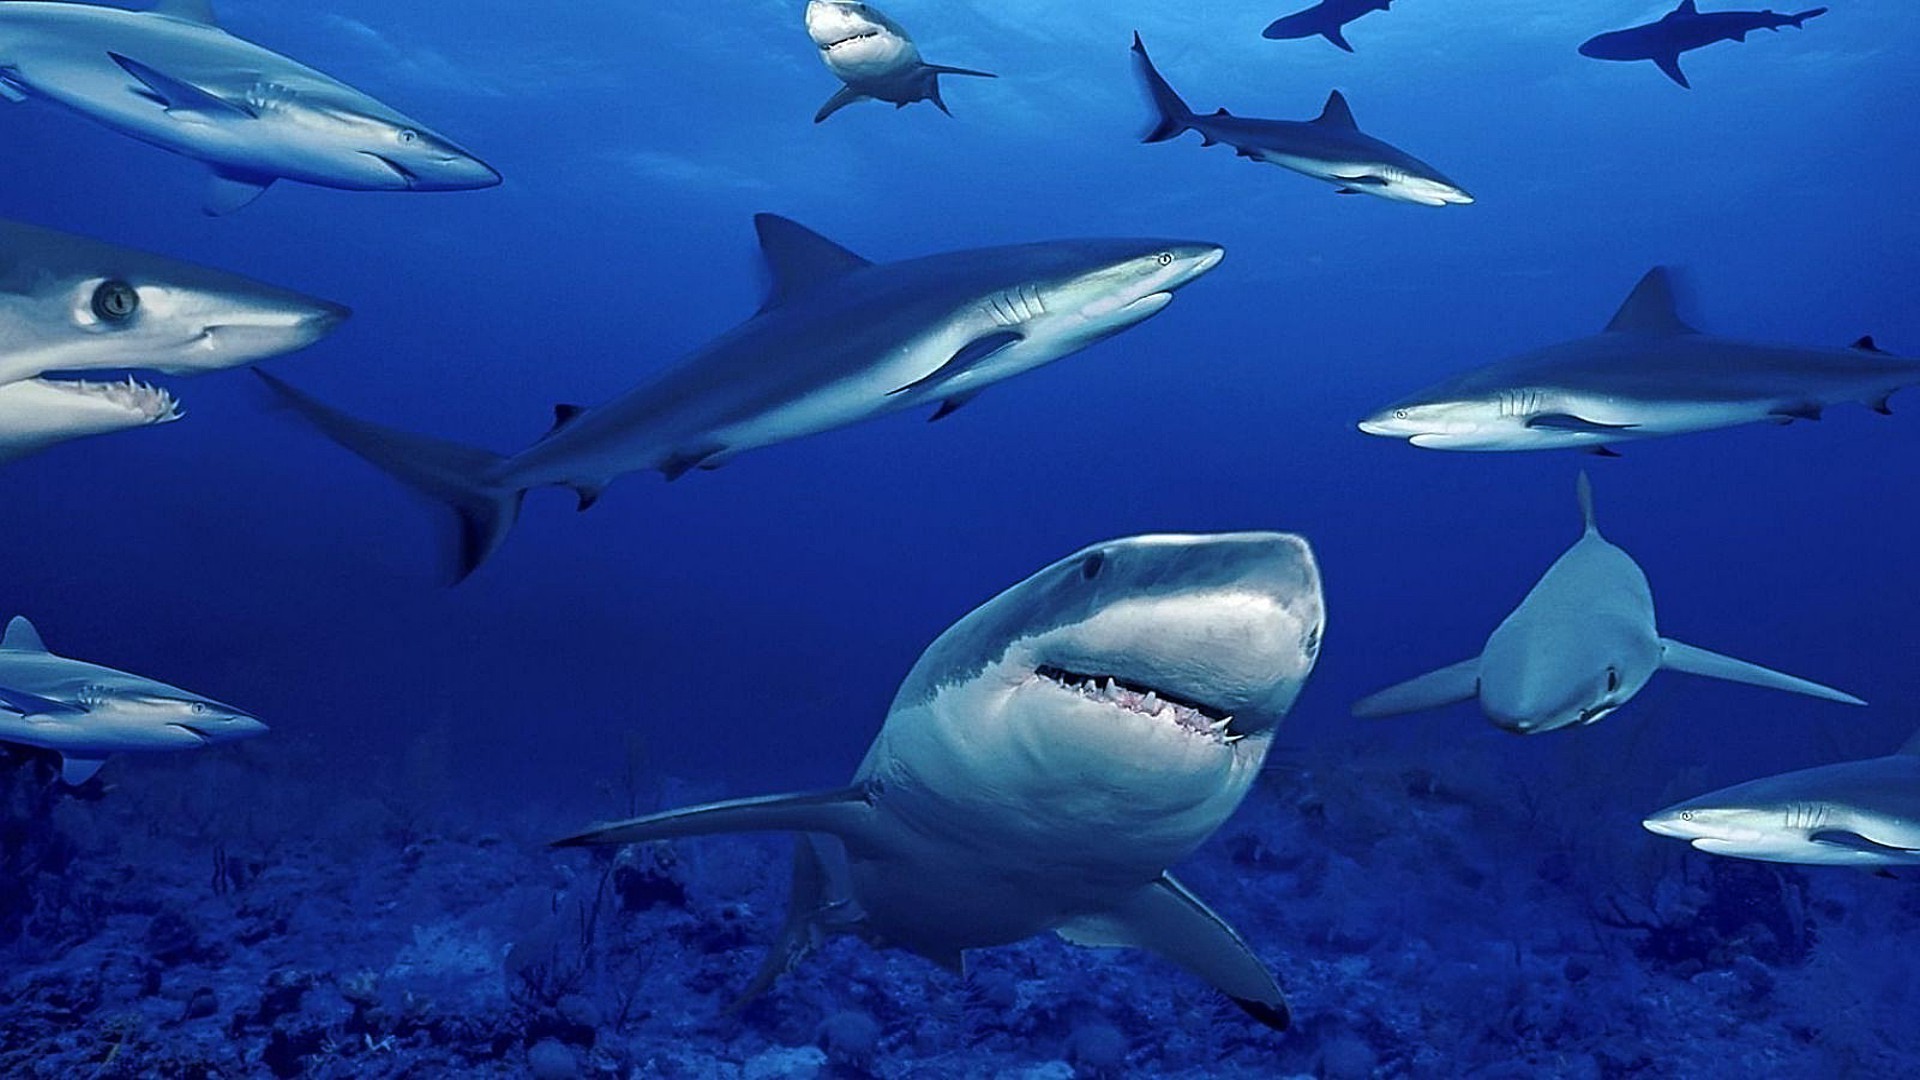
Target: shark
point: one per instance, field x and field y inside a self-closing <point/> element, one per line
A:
<point x="1330" y="147"/>
<point x="85" y="712"/>
<point x="1580" y="645"/>
<point x="838" y="340"/>
<point x="1854" y="813"/>
<point x="1049" y="757"/>
<point x="1647" y="374"/>
<point x="1327" y="19"/>
<point x="873" y="56"/>
<point x="71" y="306"/>
<point x="1684" y="29"/>
<point x="171" y="77"/>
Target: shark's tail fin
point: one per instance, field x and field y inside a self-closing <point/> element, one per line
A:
<point x="453" y="474"/>
<point x="1798" y="20"/>
<point x="1174" y="116"/>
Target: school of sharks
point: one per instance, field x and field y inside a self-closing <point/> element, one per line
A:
<point x="1057" y="751"/>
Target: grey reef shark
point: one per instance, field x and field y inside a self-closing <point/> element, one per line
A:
<point x="171" y="77"/>
<point x="1646" y="375"/>
<point x="1684" y="29"/>
<point x="1330" y="147"/>
<point x="71" y="306"/>
<point x="839" y="340"/>
<point x="1580" y="645"/>
<point x="1049" y="757"/>
<point x="874" y="58"/>
<point x="1327" y="19"/>
<point x="85" y="713"/>
<point x="1855" y="813"/>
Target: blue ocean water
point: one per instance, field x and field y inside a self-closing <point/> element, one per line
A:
<point x="1440" y="898"/>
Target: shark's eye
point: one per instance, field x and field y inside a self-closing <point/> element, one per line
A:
<point x="1166" y="258"/>
<point x="1613" y="680"/>
<point x="1686" y="815"/>
<point x="199" y="708"/>
<point x="1399" y="414"/>
<point x="115" y="301"/>
<point x="1090" y="566"/>
<point x="408" y="135"/>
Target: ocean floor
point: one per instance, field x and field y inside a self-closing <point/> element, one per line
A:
<point x="229" y="915"/>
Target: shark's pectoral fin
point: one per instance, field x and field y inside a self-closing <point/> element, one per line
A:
<point x="1363" y="180"/>
<point x="845" y="812"/>
<point x="1335" y="35"/>
<point x="10" y="87"/>
<point x="1603" y="451"/>
<point x="1865" y="343"/>
<point x="952" y="405"/>
<point x="76" y="770"/>
<point x="681" y="462"/>
<point x="1450" y="685"/>
<point x="34" y="705"/>
<point x="1570" y="422"/>
<point x="1166" y="919"/>
<point x="230" y="191"/>
<point x="1807" y="410"/>
<point x="1676" y="656"/>
<point x="1670" y="63"/>
<point x="180" y="98"/>
<point x="970" y="354"/>
<point x="1853" y="841"/>
<point x="842" y="98"/>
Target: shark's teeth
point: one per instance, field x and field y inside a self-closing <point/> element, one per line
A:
<point x="154" y="404"/>
<point x="1147" y="701"/>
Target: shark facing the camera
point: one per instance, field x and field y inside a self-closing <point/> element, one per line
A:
<point x="1330" y="147"/>
<point x="873" y="56"/>
<point x="1684" y="29"/>
<point x="1581" y="645"/>
<point x="171" y="77"/>
<point x="1646" y="375"/>
<point x="1049" y="757"/>
<point x="1855" y="813"/>
<point x="839" y="340"/>
<point x="70" y="306"/>
<point x="85" y="712"/>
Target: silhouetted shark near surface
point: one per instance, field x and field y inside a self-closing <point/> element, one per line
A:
<point x="171" y="77"/>
<point x="839" y="339"/>
<point x="1049" y="757"/>
<point x="1647" y="374"/>
<point x="1684" y="29"/>
<point x="1327" y="19"/>
<point x="874" y="57"/>
<point x="1330" y="147"/>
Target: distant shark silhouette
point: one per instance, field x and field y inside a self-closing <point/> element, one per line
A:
<point x="1684" y="29"/>
<point x="1326" y="19"/>
<point x="874" y="57"/>
<point x="1330" y="147"/>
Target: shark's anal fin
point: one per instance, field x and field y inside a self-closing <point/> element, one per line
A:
<point x="800" y="259"/>
<point x="842" y="98"/>
<point x="1166" y="919"/>
<point x="970" y="354"/>
<point x="682" y="462"/>
<point x="1450" y="685"/>
<point x="1853" y="841"/>
<point x="34" y="705"/>
<point x="1670" y="63"/>
<point x="181" y="98"/>
<point x="1570" y="422"/>
<point x="22" y="636"/>
<point x="1806" y="410"/>
<point x="229" y="191"/>
<point x="1677" y="656"/>
<point x="843" y="812"/>
<point x="76" y="770"/>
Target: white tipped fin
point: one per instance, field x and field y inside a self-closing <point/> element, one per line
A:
<point x="1455" y="683"/>
<point x="1650" y="308"/>
<point x="22" y="637"/>
<point x="1165" y="918"/>
<point x="76" y="770"/>
<point x="1677" y="656"/>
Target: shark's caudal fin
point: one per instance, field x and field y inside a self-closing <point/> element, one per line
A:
<point x="845" y="813"/>
<point x="453" y="474"/>
<point x="1174" y="116"/>
<point x="1166" y="919"/>
<point x="1451" y="684"/>
<point x="1675" y="656"/>
<point x="1799" y="19"/>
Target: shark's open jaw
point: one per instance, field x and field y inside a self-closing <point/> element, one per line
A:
<point x="194" y="731"/>
<point x="411" y="178"/>
<point x="1199" y="718"/>
<point x="151" y="403"/>
<point x="863" y="35"/>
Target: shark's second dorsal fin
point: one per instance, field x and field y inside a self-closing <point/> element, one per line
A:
<point x="1650" y="309"/>
<point x="198" y="11"/>
<point x="799" y="258"/>
<point x="1687" y="7"/>
<point x="22" y="637"/>
<point x="1911" y="746"/>
<point x="1337" y="114"/>
<point x="1584" y="489"/>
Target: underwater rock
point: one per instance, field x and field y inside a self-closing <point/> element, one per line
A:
<point x="551" y="1060"/>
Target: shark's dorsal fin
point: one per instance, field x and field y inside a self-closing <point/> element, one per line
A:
<point x="564" y="415"/>
<point x="1650" y="309"/>
<point x="1337" y="114"/>
<point x="799" y="258"/>
<point x="1911" y="746"/>
<point x="1867" y="344"/>
<point x="22" y="637"/>
<point x="1584" y="489"/>
<point x="1687" y="7"/>
<point x="197" y="11"/>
